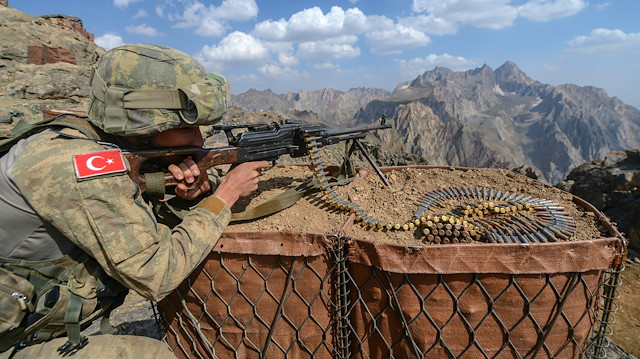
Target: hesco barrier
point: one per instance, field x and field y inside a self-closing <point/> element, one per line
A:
<point x="304" y="295"/>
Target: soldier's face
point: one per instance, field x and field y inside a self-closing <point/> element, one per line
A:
<point x="178" y="137"/>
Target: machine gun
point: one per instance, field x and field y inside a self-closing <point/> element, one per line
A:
<point x="257" y="142"/>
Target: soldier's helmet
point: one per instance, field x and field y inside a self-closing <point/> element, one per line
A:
<point x="142" y="89"/>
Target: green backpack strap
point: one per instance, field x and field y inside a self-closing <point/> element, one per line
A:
<point x="21" y="130"/>
<point x="284" y="200"/>
<point x="288" y="198"/>
<point x="24" y="128"/>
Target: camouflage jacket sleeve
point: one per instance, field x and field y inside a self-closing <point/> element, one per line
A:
<point x="106" y="216"/>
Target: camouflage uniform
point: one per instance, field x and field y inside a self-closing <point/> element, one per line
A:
<point x="106" y="215"/>
<point x="100" y="347"/>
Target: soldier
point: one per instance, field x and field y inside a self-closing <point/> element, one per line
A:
<point x="75" y="229"/>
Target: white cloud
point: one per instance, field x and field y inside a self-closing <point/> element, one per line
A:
<point x="321" y="37"/>
<point x="443" y="16"/>
<point x="332" y="49"/>
<point x="194" y="16"/>
<point x="212" y="21"/>
<point x="140" y="13"/>
<point x="211" y="27"/>
<point x="109" y="40"/>
<point x="276" y="71"/>
<point x="160" y="11"/>
<point x="418" y="65"/>
<point x="603" y="6"/>
<point x="430" y="24"/>
<point x="237" y="10"/>
<point x="143" y="29"/>
<point x="123" y="3"/>
<point x="287" y="59"/>
<point x="545" y="10"/>
<point x="272" y="30"/>
<point x="325" y="66"/>
<point x="492" y="14"/>
<point x="385" y="37"/>
<point x="237" y="48"/>
<point x="606" y="41"/>
<point x="311" y="25"/>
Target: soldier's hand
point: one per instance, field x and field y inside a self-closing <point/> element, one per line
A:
<point x="193" y="184"/>
<point x="241" y="181"/>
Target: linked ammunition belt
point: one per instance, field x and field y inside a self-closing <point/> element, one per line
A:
<point x="463" y="214"/>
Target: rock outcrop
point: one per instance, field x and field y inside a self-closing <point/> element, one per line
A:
<point x="70" y="22"/>
<point x="612" y="185"/>
<point x="41" y="55"/>
<point x="44" y="63"/>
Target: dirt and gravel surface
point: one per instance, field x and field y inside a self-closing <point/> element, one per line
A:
<point x="397" y="204"/>
<point x="627" y="327"/>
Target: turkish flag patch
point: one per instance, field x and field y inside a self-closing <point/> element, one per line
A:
<point x="98" y="163"/>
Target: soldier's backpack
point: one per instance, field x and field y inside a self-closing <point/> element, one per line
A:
<point x="40" y="300"/>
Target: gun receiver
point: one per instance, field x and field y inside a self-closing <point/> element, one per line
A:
<point x="256" y="142"/>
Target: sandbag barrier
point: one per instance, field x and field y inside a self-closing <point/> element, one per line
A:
<point x="303" y="295"/>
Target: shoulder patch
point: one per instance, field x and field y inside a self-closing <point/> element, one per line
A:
<point x="98" y="163"/>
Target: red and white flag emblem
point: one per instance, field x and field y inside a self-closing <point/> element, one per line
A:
<point x="98" y="163"/>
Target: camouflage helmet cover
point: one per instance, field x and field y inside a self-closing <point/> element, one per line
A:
<point x="141" y="89"/>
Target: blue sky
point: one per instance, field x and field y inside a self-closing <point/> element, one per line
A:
<point x="288" y="45"/>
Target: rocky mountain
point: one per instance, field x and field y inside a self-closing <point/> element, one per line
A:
<point x="480" y="118"/>
<point x="334" y="106"/>
<point x="483" y="117"/>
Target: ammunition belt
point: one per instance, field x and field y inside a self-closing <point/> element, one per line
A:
<point x="486" y="215"/>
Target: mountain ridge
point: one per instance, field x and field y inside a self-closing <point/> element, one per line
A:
<point x="480" y="117"/>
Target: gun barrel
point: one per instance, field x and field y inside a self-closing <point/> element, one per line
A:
<point x="347" y="131"/>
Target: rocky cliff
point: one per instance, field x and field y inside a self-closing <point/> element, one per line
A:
<point x="612" y="184"/>
<point x="46" y="64"/>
